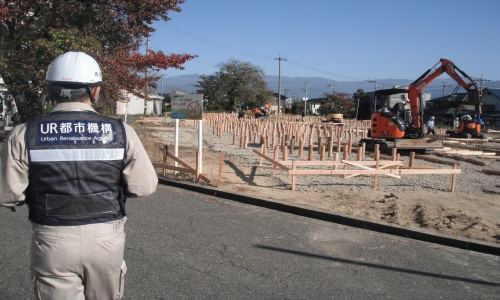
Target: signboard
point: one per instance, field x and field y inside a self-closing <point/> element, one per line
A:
<point x="187" y="106"/>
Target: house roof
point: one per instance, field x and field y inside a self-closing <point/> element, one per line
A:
<point x="492" y="91"/>
<point x="459" y="97"/>
<point x="450" y="110"/>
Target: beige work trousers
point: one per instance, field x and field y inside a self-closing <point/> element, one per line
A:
<point x="78" y="262"/>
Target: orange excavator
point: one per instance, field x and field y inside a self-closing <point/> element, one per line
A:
<point x="389" y="128"/>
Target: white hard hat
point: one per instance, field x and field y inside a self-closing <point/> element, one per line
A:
<point x="74" y="68"/>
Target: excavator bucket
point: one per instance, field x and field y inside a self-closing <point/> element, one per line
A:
<point x="418" y="144"/>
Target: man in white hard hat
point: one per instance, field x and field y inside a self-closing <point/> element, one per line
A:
<point x="430" y="127"/>
<point x="74" y="169"/>
<point x="399" y="107"/>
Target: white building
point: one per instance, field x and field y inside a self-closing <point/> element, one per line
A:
<point x="133" y="105"/>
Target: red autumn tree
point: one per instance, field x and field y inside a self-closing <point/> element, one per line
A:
<point x="33" y="33"/>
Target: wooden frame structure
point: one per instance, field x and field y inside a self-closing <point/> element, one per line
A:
<point x="185" y="167"/>
<point x="376" y="168"/>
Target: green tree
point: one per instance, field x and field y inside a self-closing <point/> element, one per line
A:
<point x="360" y="94"/>
<point x="33" y="33"/>
<point x="341" y="103"/>
<point x="236" y="84"/>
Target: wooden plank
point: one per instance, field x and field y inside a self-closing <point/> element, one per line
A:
<point x="338" y="163"/>
<point x="491" y="171"/>
<point x="458" y="157"/>
<point x="463" y="152"/>
<point x="418" y="143"/>
<point x="378" y="167"/>
<point x="432" y="171"/>
<point x="373" y="172"/>
<point x="434" y="159"/>
<point x="454" y="179"/>
<point x="182" y="163"/>
<point x="281" y="166"/>
<point x="187" y="168"/>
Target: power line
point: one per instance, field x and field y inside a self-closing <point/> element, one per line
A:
<point x="214" y="43"/>
<point x="319" y="70"/>
<point x="220" y="45"/>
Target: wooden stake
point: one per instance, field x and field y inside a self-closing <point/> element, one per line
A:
<point x="454" y="179"/>
<point x="346" y="157"/>
<point x="301" y="148"/>
<point x="330" y="147"/>
<point x="164" y="160"/>
<point x="275" y="158"/>
<point x="294" y="177"/>
<point x="412" y="160"/>
<point x="219" y="178"/>
<point x="377" y="165"/>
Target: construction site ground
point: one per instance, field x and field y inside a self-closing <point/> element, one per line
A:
<point x="415" y="201"/>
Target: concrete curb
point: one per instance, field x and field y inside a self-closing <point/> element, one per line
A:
<point x="393" y="229"/>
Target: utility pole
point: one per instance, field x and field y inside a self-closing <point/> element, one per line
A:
<point x="374" y="100"/>
<point x="334" y="87"/>
<point x="161" y="92"/>
<point x="305" y="98"/>
<point x="481" y="82"/>
<point x="146" y="77"/>
<point x="279" y="59"/>
<point x="445" y="85"/>
<point x="374" y="81"/>
<point x="286" y="98"/>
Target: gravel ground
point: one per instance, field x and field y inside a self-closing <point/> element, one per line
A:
<point x="471" y="180"/>
<point x="415" y="201"/>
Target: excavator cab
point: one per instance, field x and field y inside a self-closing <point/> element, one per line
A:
<point x="468" y="128"/>
<point x="385" y="123"/>
<point x="388" y="125"/>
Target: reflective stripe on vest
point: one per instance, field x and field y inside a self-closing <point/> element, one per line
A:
<point x="76" y="154"/>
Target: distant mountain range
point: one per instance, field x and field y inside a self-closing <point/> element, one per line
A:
<point x="316" y="86"/>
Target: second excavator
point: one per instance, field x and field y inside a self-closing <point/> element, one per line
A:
<point x="390" y="129"/>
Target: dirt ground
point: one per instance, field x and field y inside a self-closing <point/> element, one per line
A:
<point x="467" y="215"/>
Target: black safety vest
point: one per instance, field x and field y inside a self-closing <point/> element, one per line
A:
<point x="75" y="167"/>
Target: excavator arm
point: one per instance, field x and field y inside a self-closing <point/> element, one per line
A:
<point x="446" y="66"/>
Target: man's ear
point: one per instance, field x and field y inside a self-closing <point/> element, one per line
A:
<point x="95" y="92"/>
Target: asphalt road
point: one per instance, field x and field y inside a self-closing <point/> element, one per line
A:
<point x="185" y="245"/>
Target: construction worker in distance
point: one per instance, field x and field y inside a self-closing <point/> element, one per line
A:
<point x="399" y="108"/>
<point x="74" y="169"/>
<point x="430" y="127"/>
